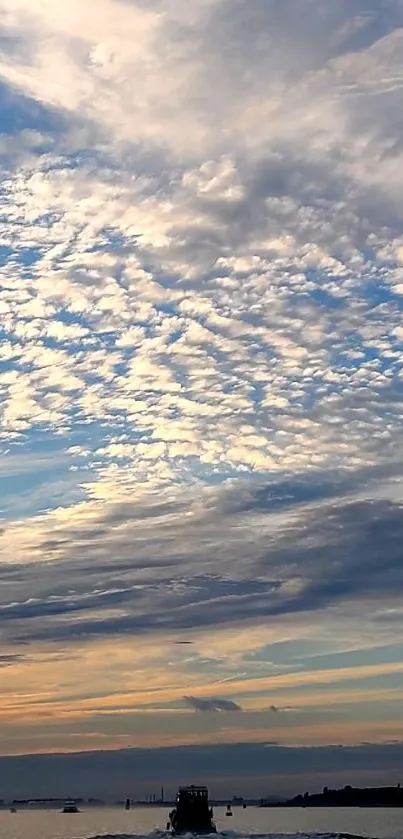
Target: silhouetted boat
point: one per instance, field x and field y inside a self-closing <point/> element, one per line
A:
<point x="229" y="810"/>
<point x="70" y="806"/>
<point x="192" y="813"/>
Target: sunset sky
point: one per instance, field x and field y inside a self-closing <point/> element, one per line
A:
<point x="201" y="374"/>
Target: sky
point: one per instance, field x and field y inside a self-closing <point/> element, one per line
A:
<point x="201" y="369"/>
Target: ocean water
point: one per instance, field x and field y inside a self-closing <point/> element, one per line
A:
<point x="149" y="823"/>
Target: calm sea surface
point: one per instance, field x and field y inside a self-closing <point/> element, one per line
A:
<point x="112" y="821"/>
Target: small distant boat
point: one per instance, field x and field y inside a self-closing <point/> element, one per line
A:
<point x="70" y="806"/>
<point x="13" y="810"/>
<point x="192" y="813"/>
<point x="229" y="810"/>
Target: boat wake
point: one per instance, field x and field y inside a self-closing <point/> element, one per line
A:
<point x="229" y="834"/>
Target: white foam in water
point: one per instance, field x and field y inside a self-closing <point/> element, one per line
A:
<point x="228" y="834"/>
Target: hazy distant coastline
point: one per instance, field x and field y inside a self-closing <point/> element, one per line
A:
<point x="348" y="796"/>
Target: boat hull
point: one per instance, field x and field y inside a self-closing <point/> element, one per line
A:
<point x="70" y="807"/>
<point x="188" y="831"/>
<point x="192" y="813"/>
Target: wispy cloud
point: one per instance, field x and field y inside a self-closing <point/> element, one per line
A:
<point x="226" y="555"/>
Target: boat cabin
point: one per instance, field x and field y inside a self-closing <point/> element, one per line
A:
<point x="192" y="813"/>
<point x="70" y="806"/>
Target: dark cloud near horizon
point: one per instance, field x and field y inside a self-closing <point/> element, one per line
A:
<point x="264" y="768"/>
<point x="212" y="704"/>
<point x="9" y="660"/>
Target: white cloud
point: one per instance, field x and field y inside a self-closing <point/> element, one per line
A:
<point x="202" y="241"/>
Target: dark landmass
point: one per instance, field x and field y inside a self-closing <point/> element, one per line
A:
<point x="348" y="796"/>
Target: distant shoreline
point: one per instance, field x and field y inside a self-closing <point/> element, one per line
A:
<point x="348" y="796"/>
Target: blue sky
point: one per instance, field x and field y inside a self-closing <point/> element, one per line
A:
<point x="201" y="364"/>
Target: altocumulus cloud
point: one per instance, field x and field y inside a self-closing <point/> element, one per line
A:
<point x="226" y="300"/>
